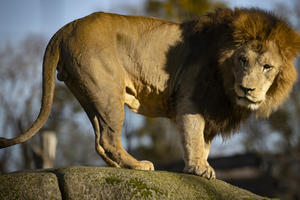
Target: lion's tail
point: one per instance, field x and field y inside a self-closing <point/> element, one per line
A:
<point x="50" y="62"/>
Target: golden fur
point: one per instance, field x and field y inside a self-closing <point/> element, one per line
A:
<point x="207" y="75"/>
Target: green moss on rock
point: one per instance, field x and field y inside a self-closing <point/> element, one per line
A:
<point x="112" y="180"/>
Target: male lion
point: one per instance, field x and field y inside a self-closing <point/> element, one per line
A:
<point x="207" y="75"/>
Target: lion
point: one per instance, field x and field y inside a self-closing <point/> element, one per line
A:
<point x="208" y="75"/>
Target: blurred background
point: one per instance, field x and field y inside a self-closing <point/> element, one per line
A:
<point x="264" y="157"/>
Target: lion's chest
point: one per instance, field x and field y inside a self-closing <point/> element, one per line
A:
<point x="225" y="122"/>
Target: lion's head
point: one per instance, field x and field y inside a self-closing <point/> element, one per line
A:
<point x="260" y="60"/>
<point x="255" y="68"/>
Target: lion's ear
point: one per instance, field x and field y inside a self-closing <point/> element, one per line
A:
<point x="288" y="41"/>
<point x="297" y="42"/>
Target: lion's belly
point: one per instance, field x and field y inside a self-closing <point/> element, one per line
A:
<point x="144" y="107"/>
<point x="146" y="100"/>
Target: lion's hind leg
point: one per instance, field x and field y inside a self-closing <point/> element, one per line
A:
<point x="99" y="149"/>
<point x="109" y="137"/>
<point x="106" y="113"/>
<point x="84" y="102"/>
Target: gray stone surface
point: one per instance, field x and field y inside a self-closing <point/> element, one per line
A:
<point x="111" y="183"/>
<point x="29" y="185"/>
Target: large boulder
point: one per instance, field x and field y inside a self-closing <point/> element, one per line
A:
<point x="112" y="183"/>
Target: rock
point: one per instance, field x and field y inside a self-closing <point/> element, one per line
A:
<point x="112" y="183"/>
<point x="29" y="185"/>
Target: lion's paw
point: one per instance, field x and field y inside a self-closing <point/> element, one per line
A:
<point x="145" y="165"/>
<point x="205" y="171"/>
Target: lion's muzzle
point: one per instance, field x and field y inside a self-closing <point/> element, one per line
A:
<point x="248" y="97"/>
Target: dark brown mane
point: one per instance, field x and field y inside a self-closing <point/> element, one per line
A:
<point x="212" y="37"/>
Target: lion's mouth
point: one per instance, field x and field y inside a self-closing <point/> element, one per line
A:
<point x="248" y="100"/>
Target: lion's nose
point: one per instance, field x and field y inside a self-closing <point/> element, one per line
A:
<point x="246" y="90"/>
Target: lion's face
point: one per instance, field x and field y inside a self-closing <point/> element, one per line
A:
<point x="255" y="68"/>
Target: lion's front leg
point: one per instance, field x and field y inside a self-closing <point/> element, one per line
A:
<point x="196" y="149"/>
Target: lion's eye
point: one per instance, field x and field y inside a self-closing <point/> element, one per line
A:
<point x="266" y="66"/>
<point x="243" y="60"/>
